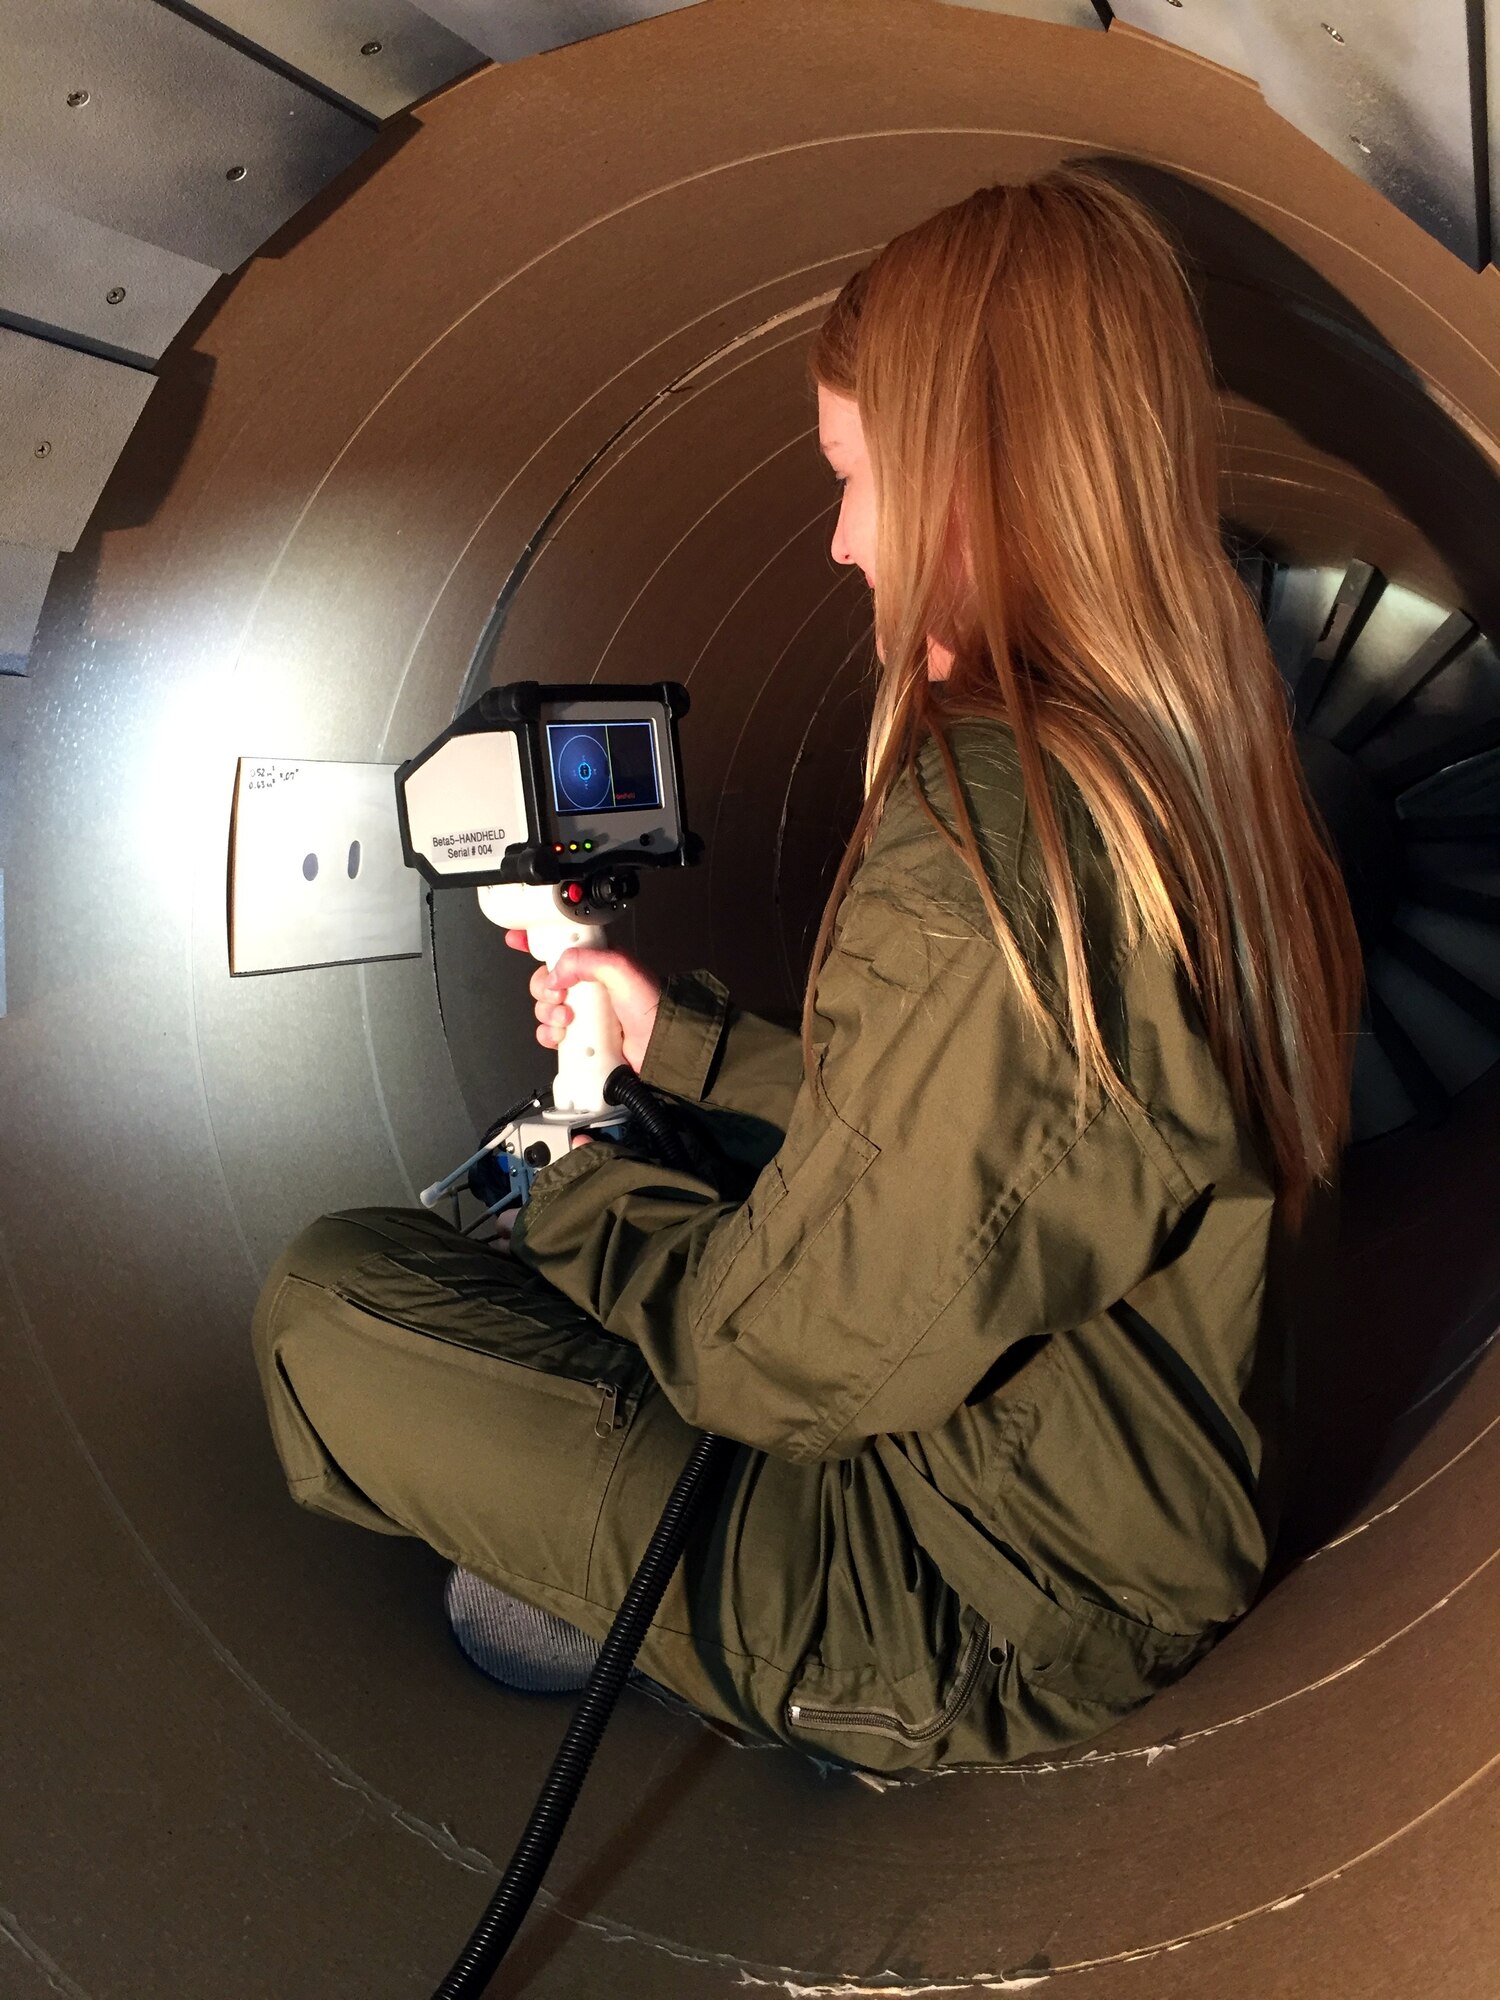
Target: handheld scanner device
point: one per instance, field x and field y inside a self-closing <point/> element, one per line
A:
<point x="567" y="787"/>
<point x="548" y="800"/>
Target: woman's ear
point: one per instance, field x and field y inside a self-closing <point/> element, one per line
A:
<point x="957" y="552"/>
<point x="954" y="621"/>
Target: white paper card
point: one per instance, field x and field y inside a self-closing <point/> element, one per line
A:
<point x="316" y="871"/>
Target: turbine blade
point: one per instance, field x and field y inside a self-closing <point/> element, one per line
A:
<point x="1357" y="597"/>
<point x="1475" y="1000"/>
<point x="1452" y="638"/>
<point x="1429" y="1098"/>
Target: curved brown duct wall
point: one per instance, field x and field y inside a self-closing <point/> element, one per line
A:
<point x="550" y="350"/>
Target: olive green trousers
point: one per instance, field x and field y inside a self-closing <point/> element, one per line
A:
<point x="421" y="1384"/>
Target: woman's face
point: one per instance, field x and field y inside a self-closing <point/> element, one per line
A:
<point x="841" y="439"/>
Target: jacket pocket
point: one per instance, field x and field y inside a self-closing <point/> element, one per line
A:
<point x="883" y="941"/>
<point x="755" y="1250"/>
<point x="1115" y="1659"/>
<point x="1085" y="1649"/>
<point x="811" y="1709"/>
<point x="475" y="1300"/>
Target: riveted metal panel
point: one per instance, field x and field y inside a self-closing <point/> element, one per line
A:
<point x="1385" y="86"/>
<point x="377" y="54"/>
<point x="510" y="29"/>
<point x="1063" y="13"/>
<point x="62" y="273"/>
<point x="1208" y="28"/>
<point x="24" y="576"/>
<point x="64" y="419"/>
<point x="125" y="112"/>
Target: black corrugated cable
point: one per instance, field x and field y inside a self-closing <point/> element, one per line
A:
<point x="492" y="1936"/>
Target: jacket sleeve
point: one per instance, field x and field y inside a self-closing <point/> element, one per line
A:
<point x="933" y="1201"/>
<point x="705" y="1048"/>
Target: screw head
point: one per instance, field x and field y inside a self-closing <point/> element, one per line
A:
<point x="77" y="99"/>
<point x="372" y="48"/>
<point x="43" y="450"/>
<point x="236" y="174"/>
<point x="1331" y="31"/>
<point x="114" y="295"/>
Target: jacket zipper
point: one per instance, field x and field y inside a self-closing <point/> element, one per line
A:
<point x="606" y="1423"/>
<point x="882" y="1722"/>
<point x="608" y="1419"/>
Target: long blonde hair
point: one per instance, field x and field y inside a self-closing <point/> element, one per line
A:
<point x="1038" y="404"/>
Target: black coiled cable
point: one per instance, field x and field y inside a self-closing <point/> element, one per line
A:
<point x="492" y="1936"/>
<point x="671" y="1145"/>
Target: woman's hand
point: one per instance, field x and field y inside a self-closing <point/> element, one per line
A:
<point x="634" y="994"/>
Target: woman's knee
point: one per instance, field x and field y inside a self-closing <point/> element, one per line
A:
<point x="324" y="1253"/>
<point x="298" y="1331"/>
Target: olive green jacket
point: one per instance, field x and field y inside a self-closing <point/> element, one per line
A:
<point x="1060" y="1341"/>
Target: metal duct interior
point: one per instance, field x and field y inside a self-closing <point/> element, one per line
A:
<point x="525" y="395"/>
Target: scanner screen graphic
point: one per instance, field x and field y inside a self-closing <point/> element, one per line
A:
<point x="603" y="766"/>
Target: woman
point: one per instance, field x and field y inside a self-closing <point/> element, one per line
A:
<point x="989" y="1274"/>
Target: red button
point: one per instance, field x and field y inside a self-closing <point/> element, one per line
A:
<point x="574" y="892"/>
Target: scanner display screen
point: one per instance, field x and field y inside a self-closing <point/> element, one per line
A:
<point x="600" y="767"/>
